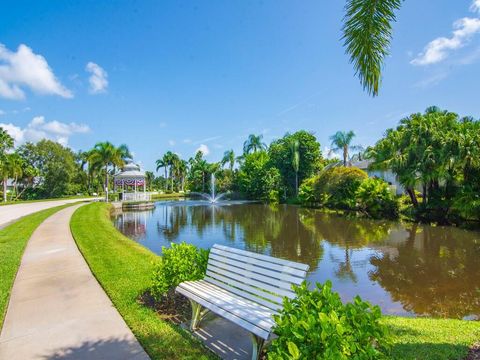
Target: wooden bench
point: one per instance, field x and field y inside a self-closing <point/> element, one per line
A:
<point x="245" y="288"/>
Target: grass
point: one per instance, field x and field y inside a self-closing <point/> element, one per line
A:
<point x="432" y="339"/>
<point x="13" y="240"/>
<point x="124" y="268"/>
<point x="168" y="196"/>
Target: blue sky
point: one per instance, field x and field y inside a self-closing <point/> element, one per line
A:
<point x="180" y="75"/>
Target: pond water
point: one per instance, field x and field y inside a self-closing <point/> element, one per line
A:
<point x="406" y="269"/>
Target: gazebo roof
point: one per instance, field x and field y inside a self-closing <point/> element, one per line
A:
<point x="130" y="170"/>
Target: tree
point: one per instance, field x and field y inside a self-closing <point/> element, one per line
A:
<point x="294" y="147"/>
<point x="341" y="141"/>
<point x="254" y="143"/>
<point x="367" y="33"/>
<point x="309" y="159"/>
<point x="258" y="179"/>
<point x="6" y="143"/>
<point x="56" y="168"/>
<point x="103" y="155"/>
<point x="228" y="157"/>
<point x="162" y="163"/>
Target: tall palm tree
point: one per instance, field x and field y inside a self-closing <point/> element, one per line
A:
<point x="228" y="157"/>
<point x="15" y="165"/>
<point x="341" y="141"/>
<point x="254" y="143"/>
<point x="162" y="163"/>
<point x="103" y="155"/>
<point x="295" y="153"/>
<point x="367" y="33"/>
<point x="181" y="169"/>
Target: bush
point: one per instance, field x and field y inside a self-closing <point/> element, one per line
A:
<point x="317" y="325"/>
<point x="306" y="192"/>
<point x="181" y="262"/>
<point x="375" y="198"/>
<point x="336" y="187"/>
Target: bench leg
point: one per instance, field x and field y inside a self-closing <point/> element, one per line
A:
<point x="257" y="345"/>
<point x="196" y="314"/>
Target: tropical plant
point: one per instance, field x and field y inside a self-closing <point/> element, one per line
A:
<point x="341" y="141"/>
<point x="294" y="148"/>
<point x="254" y="143"/>
<point x="228" y="158"/>
<point x="317" y="325"/>
<point x="375" y="198"/>
<point x="367" y="33"/>
<point x="181" y="262"/>
<point x="162" y="163"/>
<point x="6" y="143"/>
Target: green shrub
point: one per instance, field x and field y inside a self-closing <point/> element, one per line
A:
<point x="317" y="325"/>
<point x="375" y="198"/>
<point x="337" y="186"/>
<point x="181" y="262"/>
<point x="306" y="192"/>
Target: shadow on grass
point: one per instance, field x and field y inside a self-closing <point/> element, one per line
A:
<point x="114" y="348"/>
<point x="409" y="345"/>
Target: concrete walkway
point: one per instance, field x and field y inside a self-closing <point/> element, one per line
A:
<point x="57" y="309"/>
<point x="10" y="213"/>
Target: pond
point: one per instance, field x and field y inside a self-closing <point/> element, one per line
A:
<point x="406" y="269"/>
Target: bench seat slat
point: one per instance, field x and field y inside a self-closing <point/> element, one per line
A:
<point x="241" y="306"/>
<point x="273" y="302"/>
<point x="271" y="259"/>
<point x="254" y="261"/>
<point x="247" y="275"/>
<point x="252" y="313"/>
<point x="257" y="269"/>
<point x="250" y="282"/>
<point x="225" y="314"/>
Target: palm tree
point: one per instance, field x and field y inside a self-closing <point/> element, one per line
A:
<point x="228" y="157"/>
<point x="181" y="171"/>
<point x="15" y="165"/>
<point x="367" y="33"/>
<point x="162" y="163"/>
<point x="149" y="177"/>
<point x="103" y="155"/>
<point x="295" y="152"/>
<point x="341" y="140"/>
<point x="253" y="144"/>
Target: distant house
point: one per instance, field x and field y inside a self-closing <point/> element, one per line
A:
<point x="387" y="175"/>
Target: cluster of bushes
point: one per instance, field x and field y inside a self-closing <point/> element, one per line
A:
<point x="349" y="188"/>
<point x="316" y="324"/>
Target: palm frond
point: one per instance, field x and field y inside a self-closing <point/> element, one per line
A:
<point x="367" y="32"/>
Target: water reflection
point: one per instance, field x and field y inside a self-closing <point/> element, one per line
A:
<point x="407" y="270"/>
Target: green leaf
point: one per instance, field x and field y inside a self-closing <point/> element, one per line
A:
<point x="293" y="350"/>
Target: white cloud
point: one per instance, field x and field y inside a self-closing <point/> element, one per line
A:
<point x="2" y="112"/>
<point x="171" y="142"/>
<point x="204" y="149"/>
<point x="206" y="140"/>
<point x="439" y="49"/>
<point x="98" y="78"/>
<point x="39" y="129"/>
<point x="187" y="141"/>
<point x="475" y="7"/>
<point x="25" y="69"/>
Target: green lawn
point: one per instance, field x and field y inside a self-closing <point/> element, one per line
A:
<point x="13" y="239"/>
<point x="432" y="339"/>
<point x="124" y="268"/>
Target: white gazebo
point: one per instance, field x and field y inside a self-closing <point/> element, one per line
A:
<point x="132" y="181"/>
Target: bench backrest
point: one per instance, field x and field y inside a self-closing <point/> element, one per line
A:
<point x="260" y="278"/>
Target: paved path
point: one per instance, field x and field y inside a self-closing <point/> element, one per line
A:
<point x="57" y="309"/>
<point x="10" y="213"/>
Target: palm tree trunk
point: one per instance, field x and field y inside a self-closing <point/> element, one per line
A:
<point x="413" y="198"/>
<point x="296" y="183"/>
<point x="106" y="181"/>
<point x="165" y="187"/>
<point x="345" y="155"/>
<point x="5" y="179"/>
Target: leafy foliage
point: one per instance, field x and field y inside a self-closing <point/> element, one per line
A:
<point x="257" y="178"/>
<point x="297" y="156"/>
<point x="181" y="262"/>
<point x="337" y="186"/>
<point x="317" y="325"/>
<point x="376" y="199"/>
<point x="367" y="33"/>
